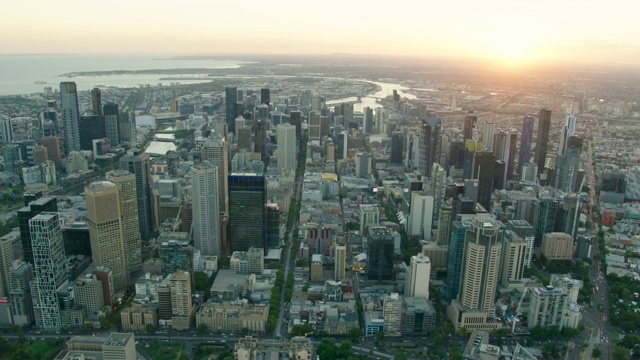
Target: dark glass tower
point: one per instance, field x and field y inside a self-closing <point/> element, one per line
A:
<point x="231" y="98"/>
<point x="484" y="171"/>
<point x="429" y="144"/>
<point x="247" y="211"/>
<point x="456" y="254"/>
<point x="265" y="96"/>
<point x="96" y="101"/>
<point x="111" y="123"/>
<point x="260" y="140"/>
<point x="138" y="164"/>
<point x="525" y="142"/>
<point x="544" y="124"/>
<point x="397" y="140"/>
<point x="35" y="207"/>
<point x="469" y="124"/>
<point x="380" y="253"/>
<point x="91" y="127"/>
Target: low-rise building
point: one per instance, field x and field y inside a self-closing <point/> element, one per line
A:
<point x="233" y="317"/>
<point x="250" y="348"/>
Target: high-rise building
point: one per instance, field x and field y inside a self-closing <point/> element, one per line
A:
<point x="421" y="215"/>
<point x="33" y="208"/>
<point x="380" y="254"/>
<point x="105" y="219"/>
<point x="10" y="155"/>
<point x="544" y="211"/>
<point x="367" y="120"/>
<point x="50" y="271"/>
<point x="6" y="130"/>
<point x="286" y="134"/>
<point x="417" y="278"/>
<point x="369" y="216"/>
<point x="216" y="152"/>
<point x="487" y="137"/>
<point x="96" y="101"/>
<point x="20" y="277"/>
<point x="260" y="140"/>
<point x="70" y="129"/>
<point x="363" y="162"/>
<point x="456" y="252"/>
<point x="138" y="164"/>
<point x="567" y="166"/>
<point x="547" y="306"/>
<point x="568" y="130"/>
<point x="469" y="124"/>
<point x="392" y="314"/>
<point x="182" y="310"/>
<point x="475" y="306"/>
<point x="89" y="294"/>
<point x="397" y="143"/>
<point x="544" y="125"/>
<point x="247" y="211"/>
<point x="127" y="128"/>
<point x="272" y="240"/>
<point x="557" y="246"/>
<point x="315" y="125"/>
<point x="206" y="216"/>
<point x="40" y="155"/>
<point x="295" y="118"/>
<point x="91" y="127"/>
<point x="438" y="187"/>
<point x="484" y="171"/>
<point x="429" y="144"/>
<point x="231" y="98"/>
<point x="6" y="259"/>
<point x="111" y="114"/>
<point x="514" y="257"/>
<point x="504" y="148"/>
<point x="265" y="96"/>
<point x="52" y="143"/>
<point x="340" y="262"/>
<point x="525" y="142"/>
<point x="523" y="230"/>
<point x="128" y="203"/>
<point x="529" y="172"/>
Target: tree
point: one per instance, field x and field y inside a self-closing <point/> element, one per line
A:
<point x="87" y="327"/>
<point x="620" y="353"/>
<point x="202" y="328"/>
<point x="301" y="329"/>
<point x="355" y="334"/>
<point x="201" y="280"/>
<point x="400" y="355"/>
<point x="150" y="329"/>
<point x="596" y="353"/>
<point x="327" y="350"/>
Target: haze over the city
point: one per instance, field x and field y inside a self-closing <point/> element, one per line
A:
<point x="506" y="32"/>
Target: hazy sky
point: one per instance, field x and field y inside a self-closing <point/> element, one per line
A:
<point x="508" y="31"/>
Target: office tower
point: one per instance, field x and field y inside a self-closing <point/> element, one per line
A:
<point x="369" y="216"/>
<point x="340" y="261"/>
<point x="272" y="240"/>
<point x="417" y="278"/>
<point x="286" y="134"/>
<point x="39" y="155"/>
<point x="181" y="304"/>
<point x="544" y="216"/>
<point x="52" y="143"/>
<point x="568" y="130"/>
<point x="104" y="215"/>
<point x="96" y="102"/>
<point x="438" y="187"/>
<point x="547" y="306"/>
<point x="392" y="314"/>
<point x="77" y="240"/>
<point x="314" y="126"/>
<point x="138" y="164"/>
<point x="514" y="256"/>
<point x="6" y="130"/>
<point x="33" y="208"/>
<point x="487" y="137"/>
<point x="70" y="129"/>
<point x="296" y="120"/>
<point x="380" y="254"/>
<point x="206" y="215"/>
<point x="484" y="170"/>
<point x="89" y="293"/>
<point x="567" y="166"/>
<point x="247" y="211"/>
<point x="568" y="214"/>
<point x="128" y="203"/>
<point x="261" y="112"/>
<point x="456" y="252"/>
<point x="444" y="225"/>
<point x="20" y="277"/>
<point x="260" y="140"/>
<point x="429" y="144"/>
<point x="421" y="215"/>
<point x="525" y="143"/>
<point x="11" y="154"/>
<point x="6" y="259"/>
<point x="397" y="140"/>
<point x="216" y="152"/>
<point x="231" y="98"/>
<point x="91" y="127"/>
<point x="315" y="268"/>
<point x="243" y="138"/>
<point x="469" y="124"/>
<point x="557" y="246"/>
<point x="523" y="230"/>
<point x="50" y="271"/>
<point x="111" y="114"/>
<point x="363" y="162"/>
<point x="127" y="128"/>
<point x="471" y="148"/>
<point x="265" y="96"/>
<point x="504" y="148"/>
<point x="367" y="120"/>
<point x="529" y="172"/>
<point x="544" y="124"/>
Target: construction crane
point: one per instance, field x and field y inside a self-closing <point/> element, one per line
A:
<point x="517" y="312"/>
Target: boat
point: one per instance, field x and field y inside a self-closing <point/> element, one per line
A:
<point x="39" y="82"/>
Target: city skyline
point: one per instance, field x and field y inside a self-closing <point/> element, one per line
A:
<point x="580" y="32"/>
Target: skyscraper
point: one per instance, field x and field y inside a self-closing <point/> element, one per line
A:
<point x="380" y="254"/>
<point x="20" y="277"/>
<point x="6" y="259"/>
<point x="52" y="143"/>
<point x="429" y="144"/>
<point x="128" y="203"/>
<point x="138" y="164"/>
<point x="206" y="216"/>
<point x="417" y="278"/>
<point x="514" y="257"/>
<point x="314" y="125"/>
<point x="216" y="152"/>
<point x="544" y="124"/>
<point x="487" y="137"/>
<point x="568" y="130"/>
<point x="50" y="271"/>
<point x="265" y="96"/>
<point x="523" y="230"/>
<point x="438" y="187"/>
<point x="454" y="263"/>
<point x="504" y="148"/>
<point x="421" y="215"/>
<point x="286" y="134"/>
<point x="111" y="124"/>
<point x="469" y="124"/>
<point x="96" y="101"/>
<point x="567" y="166"/>
<point x="127" y="128"/>
<point x="260" y="140"/>
<point x="33" y="208"/>
<point x="525" y="142"/>
<point x="91" y="127"/>
<point x="296" y="120"/>
<point x="484" y="171"/>
<point x="340" y="263"/>
<point x="397" y="142"/>
<point x="105" y="219"/>
<point x="247" y="211"/>
<point x="70" y="129"/>
<point x="231" y="98"/>
<point x="6" y="131"/>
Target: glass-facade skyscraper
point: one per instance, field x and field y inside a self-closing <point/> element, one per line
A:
<point x="247" y="211"/>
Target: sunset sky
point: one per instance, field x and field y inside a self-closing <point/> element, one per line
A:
<point x="517" y="31"/>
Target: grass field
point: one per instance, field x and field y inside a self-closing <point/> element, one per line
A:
<point x="35" y="350"/>
<point x="165" y="350"/>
